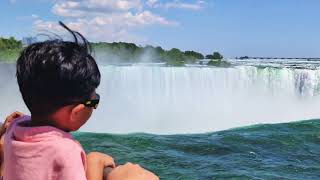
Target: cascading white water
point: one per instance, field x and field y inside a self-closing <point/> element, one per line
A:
<point x="193" y="100"/>
<point x="168" y="100"/>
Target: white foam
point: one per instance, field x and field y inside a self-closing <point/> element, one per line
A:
<point x="166" y="100"/>
<point x="170" y="100"/>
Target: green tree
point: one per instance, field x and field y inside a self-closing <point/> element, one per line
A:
<point x="159" y="50"/>
<point x="192" y="56"/>
<point x="130" y="52"/>
<point x="219" y="63"/>
<point x="9" y="49"/>
<point x="215" y="55"/>
<point x="175" y="57"/>
<point x="244" y="57"/>
<point x="175" y="54"/>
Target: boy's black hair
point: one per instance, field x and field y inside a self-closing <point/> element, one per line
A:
<point x="55" y="73"/>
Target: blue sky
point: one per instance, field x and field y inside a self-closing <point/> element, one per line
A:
<point x="287" y="28"/>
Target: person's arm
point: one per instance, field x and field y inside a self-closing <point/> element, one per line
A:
<point x="70" y="160"/>
<point x="96" y="163"/>
<point x="131" y="171"/>
<point x="9" y="119"/>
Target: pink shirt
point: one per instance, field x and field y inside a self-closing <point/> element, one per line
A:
<point x="42" y="153"/>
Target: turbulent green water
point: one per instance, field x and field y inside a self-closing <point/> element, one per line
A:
<point x="278" y="151"/>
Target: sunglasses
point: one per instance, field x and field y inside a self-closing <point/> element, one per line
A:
<point x="93" y="102"/>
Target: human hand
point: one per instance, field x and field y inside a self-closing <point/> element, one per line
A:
<point x="100" y="158"/>
<point x="96" y="163"/>
<point x="131" y="171"/>
<point x="9" y="120"/>
<point x="4" y="127"/>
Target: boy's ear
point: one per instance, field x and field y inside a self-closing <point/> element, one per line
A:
<point x="77" y="112"/>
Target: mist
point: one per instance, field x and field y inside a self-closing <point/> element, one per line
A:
<point x="107" y="58"/>
<point x="11" y="99"/>
<point x="171" y="100"/>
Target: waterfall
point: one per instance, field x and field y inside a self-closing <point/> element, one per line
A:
<point x="193" y="100"/>
<point x="167" y="100"/>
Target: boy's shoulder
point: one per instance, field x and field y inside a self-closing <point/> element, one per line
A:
<point x="68" y="152"/>
<point x="67" y="144"/>
<point x="43" y="136"/>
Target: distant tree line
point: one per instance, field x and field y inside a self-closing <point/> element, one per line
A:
<point x="10" y="43"/>
<point x="130" y="53"/>
<point x="9" y="49"/>
<point x="122" y="52"/>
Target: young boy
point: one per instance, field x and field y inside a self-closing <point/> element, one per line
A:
<point x="58" y="81"/>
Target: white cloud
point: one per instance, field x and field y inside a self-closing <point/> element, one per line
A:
<point x="111" y="27"/>
<point x="176" y="4"/>
<point x="34" y="16"/>
<point x="110" y="20"/>
<point x="92" y="7"/>
<point x="151" y="3"/>
<point x="92" y="29"/>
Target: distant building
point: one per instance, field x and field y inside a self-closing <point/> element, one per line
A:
<point x="26" y="41"/>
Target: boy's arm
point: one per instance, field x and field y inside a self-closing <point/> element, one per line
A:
<point x="71" y="161"/>
<point x="70" y="166"/>
<point x="96" y="162"/>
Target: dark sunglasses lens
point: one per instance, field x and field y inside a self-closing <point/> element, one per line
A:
<point x="96" y="101"/>
<point x="93" y="103"/>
